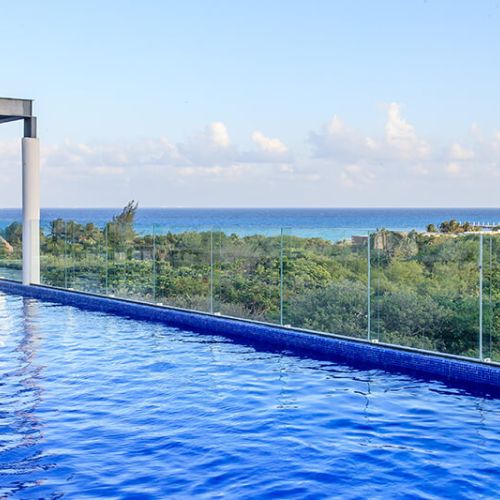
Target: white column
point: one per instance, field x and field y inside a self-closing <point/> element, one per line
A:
<point x="31" y="211"/>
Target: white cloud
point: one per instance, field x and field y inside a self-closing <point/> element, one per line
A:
<point x="453" y="169"/>
<point x="458" y="152"/>
<point x="108" y="171"/>
<point x="400" y="135"/>
<point x="495" y="143"/>
<point x="354" y="175"/>
<point x="10" y="153"/>
<point x="268" y="145"/>
<point x="393" y="163"/>
<point x="287" y="169"/>
<point x="218" y="134"/>
<point x="213" y="147"/>
<point x="210" y="147"/>
<point x="193" y="171"/>
<point x="399" y="155"/>
<point x="397" y="150"/>
<point x="336" y="126"/>
<point x="339" y="142"/>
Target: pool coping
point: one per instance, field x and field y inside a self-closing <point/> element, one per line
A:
<point x="361" y="352"/>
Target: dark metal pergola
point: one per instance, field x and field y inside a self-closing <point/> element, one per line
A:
<point x="15" y="110"/>
<point x="18" y="109"/>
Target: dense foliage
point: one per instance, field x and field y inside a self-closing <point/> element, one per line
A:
<point x="453" y="227"/>
<point x="423" y="291"/>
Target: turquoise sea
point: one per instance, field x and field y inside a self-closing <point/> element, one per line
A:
<point x="324" y="222"/>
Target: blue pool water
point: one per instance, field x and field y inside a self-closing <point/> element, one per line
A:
<point x="100" y="406"/>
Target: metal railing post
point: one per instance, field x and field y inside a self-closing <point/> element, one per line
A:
<point x="211" y="271"/>
<point x="481" y="296"/>
<point x="154" y="263"/>
<point x="369" y="295"/>
<point x="65" y="254"/>
<point x="281" y="276"/>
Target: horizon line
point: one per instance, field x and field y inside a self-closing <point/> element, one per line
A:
<point x="266" y="208"/>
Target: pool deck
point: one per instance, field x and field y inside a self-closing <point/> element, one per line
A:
<point x="470" y="373"/>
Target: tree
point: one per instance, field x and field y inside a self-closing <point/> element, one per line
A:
<point x="14" y="234"/>
<point x="450" y="226"/>
<point x="453" y="227"/>
<point x="121" y="229"/>
<point x="58" y="229"/>
<point x="127" y="215"/>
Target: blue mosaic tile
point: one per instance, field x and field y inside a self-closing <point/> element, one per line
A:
<point x="336" y="348"/>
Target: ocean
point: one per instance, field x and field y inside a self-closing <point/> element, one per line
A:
<point x="322" y="222"/>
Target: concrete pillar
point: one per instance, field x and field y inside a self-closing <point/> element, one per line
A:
<point x="31" y="211"/>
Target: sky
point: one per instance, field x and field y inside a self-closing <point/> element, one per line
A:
<point x="276" y="103"/>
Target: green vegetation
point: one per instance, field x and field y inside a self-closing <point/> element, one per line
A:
<point x="424" y="288"/>
<point x="452" y="227"/>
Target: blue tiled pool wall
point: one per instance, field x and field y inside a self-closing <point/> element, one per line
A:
<point x="360" y="353"/>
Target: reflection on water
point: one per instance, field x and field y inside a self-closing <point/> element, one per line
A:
<point x="98" y="406"/>
<point x="20" y="393"/>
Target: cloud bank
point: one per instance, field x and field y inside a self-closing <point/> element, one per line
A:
<point x="336" y="164"/>
<point x="400" y="153"/>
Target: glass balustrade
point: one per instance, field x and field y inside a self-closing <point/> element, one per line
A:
<point x="246" y="274"/>
<point x="425" y="291"/>
<point x="435" y="292"/>
<point x="54" y="250"/>
<point x="129" y="262"/>
<point x="490" y="339"/>
<point x="11" y="236"/>
<point x="325" y="280"/>
<point x="183" y="268"/>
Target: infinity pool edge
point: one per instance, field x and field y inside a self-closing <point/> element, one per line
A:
<point x="360" y="352"/>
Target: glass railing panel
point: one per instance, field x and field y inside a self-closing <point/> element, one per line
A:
<point x="325" y="280"/>
<point x="11" y="251"/>
<point x="491" y="297"/>
<point x="377" y="263"/>
<point x="142" y="263"/>
<point x="425" y="291"/>
<point x="72" y="255"/>
<point x="117" y="244"/>
<point x="182" y="272"/>
<point x="87" y="258"/>
<point x="129" y="262"/>
<point x="53" y="254"/>
<point x="246" y="279"/>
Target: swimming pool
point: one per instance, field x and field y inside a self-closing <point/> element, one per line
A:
<point x="100" y="406"/>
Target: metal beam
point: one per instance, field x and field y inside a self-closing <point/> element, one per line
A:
<point x="30" y="127"/>
<point x="18" y="109"/>
<point x="15" y="109"/>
